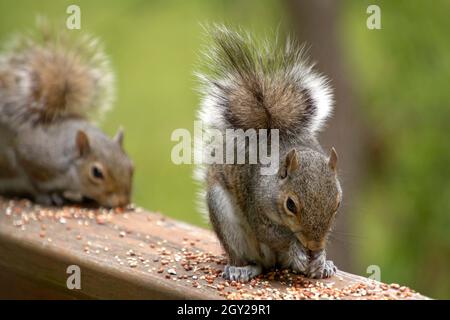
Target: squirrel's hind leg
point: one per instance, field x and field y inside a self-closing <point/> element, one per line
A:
<point x="243" y="274"/>
<point x="235" y="235"/>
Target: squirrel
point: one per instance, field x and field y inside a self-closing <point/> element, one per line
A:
<point x="51" y="84"/>
<point x="279" y="220"/>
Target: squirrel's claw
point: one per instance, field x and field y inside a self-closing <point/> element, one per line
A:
<point x="52" y="199"/>
<point x="57" y="199"/>
<point x="43" y="199"/>
<point x="330" y="269"/>
<point x="322" y="270"/>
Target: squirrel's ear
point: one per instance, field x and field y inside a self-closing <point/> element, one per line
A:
<point x="291" y="163"/>
<point x="82" y="142"/>
<point x="119" y="137"/>
<point x="332" y="161"/>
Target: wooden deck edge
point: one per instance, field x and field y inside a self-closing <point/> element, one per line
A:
<point x="140" y="255"/>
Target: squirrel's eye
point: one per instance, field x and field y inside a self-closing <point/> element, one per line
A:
<point x="291" y="206"/>
<point x="97" y="172"/>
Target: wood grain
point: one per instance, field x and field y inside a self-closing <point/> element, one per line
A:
<point x="120" y="254"/>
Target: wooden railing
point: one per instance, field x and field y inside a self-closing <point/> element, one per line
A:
<point x="140" y="255"/>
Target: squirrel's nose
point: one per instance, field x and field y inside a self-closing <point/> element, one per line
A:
<point x="315" y="245"/>
<point x="117" y="200"/>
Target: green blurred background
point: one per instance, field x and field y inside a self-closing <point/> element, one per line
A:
<point x="400" y="75"/>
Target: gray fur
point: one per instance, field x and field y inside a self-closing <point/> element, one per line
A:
<point x="261" y="84"/>
<point x="243" y="274"/>
<point x="49" y="86"/>
<point x="319" y="267"/>
<point x="50" y="151"/>
<point x="251" y="86"/>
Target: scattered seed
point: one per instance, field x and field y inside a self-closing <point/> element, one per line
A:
<point x="199" y="269"/>
<point x="171" y="271"/>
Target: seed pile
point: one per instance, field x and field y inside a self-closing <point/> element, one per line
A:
<point x="204" y="269"/>
<point x="23" y="212"/>
<point x="189" y="265"/>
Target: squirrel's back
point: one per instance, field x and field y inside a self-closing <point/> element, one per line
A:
<point x="48" y="75"/>
<point x="267" y="85"/>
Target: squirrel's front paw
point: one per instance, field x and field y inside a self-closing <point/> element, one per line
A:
<point x="296" y="258"/>
<point x="299" y="262"/>
<point x="51" y="199"/>
<point x="243" y="274"/>
<point x="320" y="268"/>
<point x="57" y="199"/>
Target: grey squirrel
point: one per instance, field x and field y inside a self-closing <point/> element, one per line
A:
<point x="264" y="221"/>
<point x="50" y="84"/>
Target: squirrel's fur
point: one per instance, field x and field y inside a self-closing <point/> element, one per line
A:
<point x="262" y="85"/>
<point x="51" y="87"/>
<point x="267" y="220"/>
<point x="53" y="75"/>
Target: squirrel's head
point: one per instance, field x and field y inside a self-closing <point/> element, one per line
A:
<point x="104" y="169"/>
<point x="309" y="195"/>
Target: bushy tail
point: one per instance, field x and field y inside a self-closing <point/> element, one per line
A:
<point x="49" y="75"/>
<point x="261" y="85"/>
